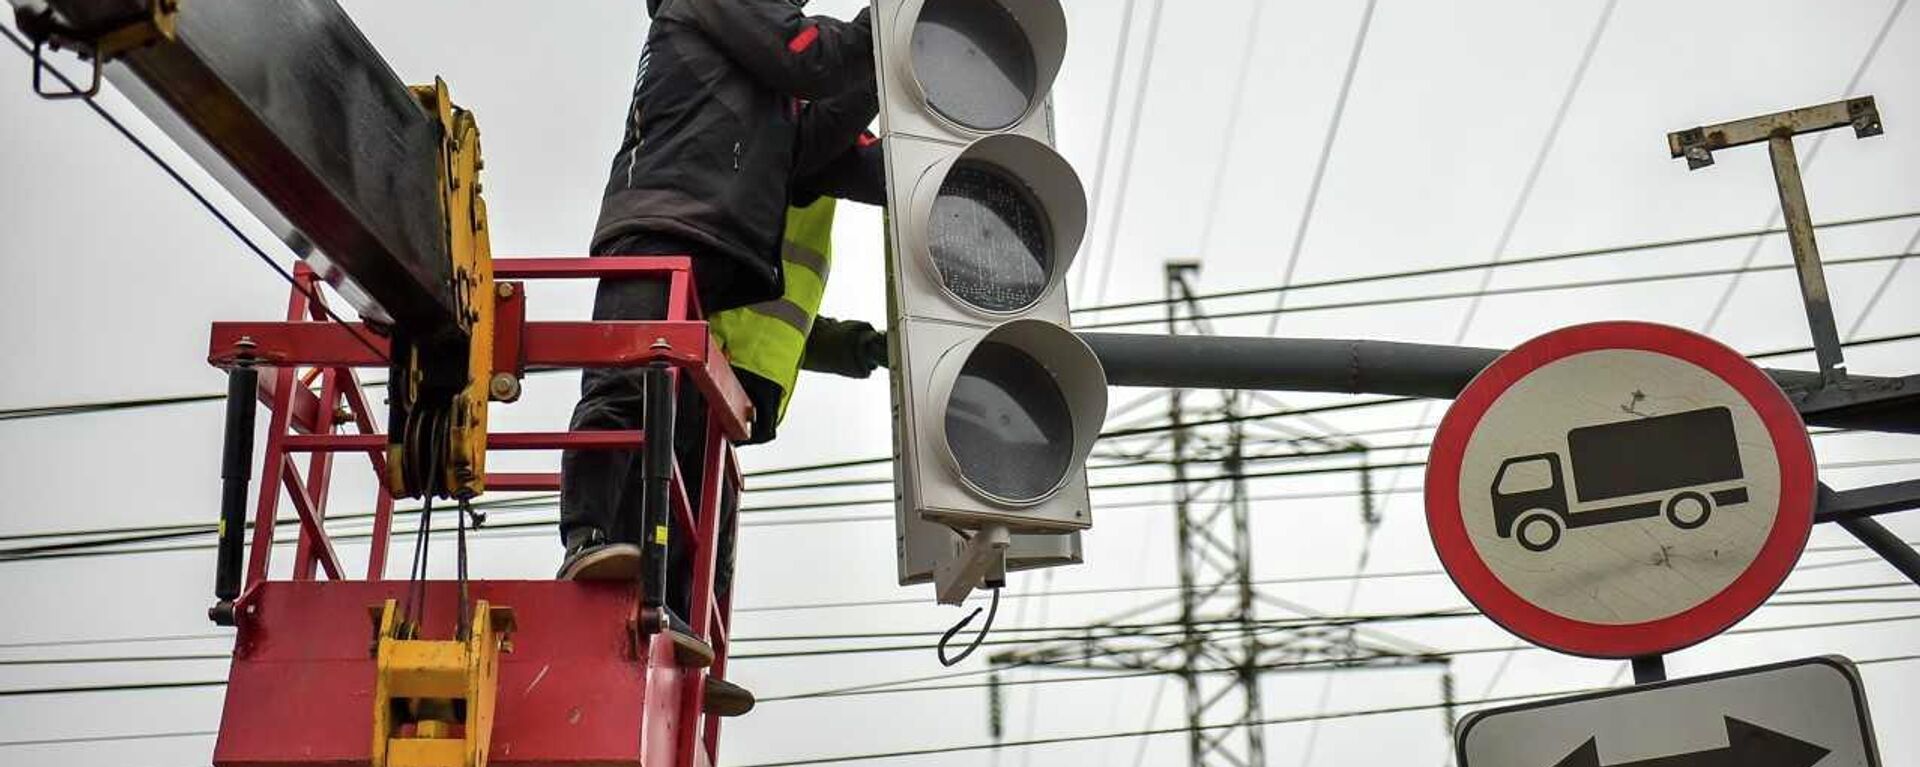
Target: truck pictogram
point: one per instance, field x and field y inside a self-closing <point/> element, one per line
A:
<point x="1683" y="464"/>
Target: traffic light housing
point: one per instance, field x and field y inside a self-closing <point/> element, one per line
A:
<point x="996" y="402"/>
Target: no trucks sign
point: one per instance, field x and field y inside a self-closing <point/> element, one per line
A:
<point x="1620" y="489"/>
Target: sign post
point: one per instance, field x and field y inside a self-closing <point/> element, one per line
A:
<point x="1620" y="489"/>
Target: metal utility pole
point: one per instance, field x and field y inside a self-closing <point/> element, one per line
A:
<point x="1214" y="555"/>
<point x="1221" y="646"/>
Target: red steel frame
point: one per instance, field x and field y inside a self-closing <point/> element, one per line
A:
<point x="303" y="420"/>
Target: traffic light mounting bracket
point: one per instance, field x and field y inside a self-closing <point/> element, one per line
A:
<point x="982" y="559"/>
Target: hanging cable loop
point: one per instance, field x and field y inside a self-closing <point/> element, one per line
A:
<point x="464" y="622"/>
<point x="993" y="608"/>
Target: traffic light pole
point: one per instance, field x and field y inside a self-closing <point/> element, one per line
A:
<point x="1429" y="370"/>
<point x="1869" y="403"/>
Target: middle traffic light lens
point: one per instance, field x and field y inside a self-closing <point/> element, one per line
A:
<point x="1008" y="424"/>
<point x="988" y="237"/>
<point x="975" y="63"/>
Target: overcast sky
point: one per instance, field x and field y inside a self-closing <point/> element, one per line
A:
<point x="109" y="276"/>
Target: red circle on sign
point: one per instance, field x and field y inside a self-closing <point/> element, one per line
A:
<point x="1793" y="520"/>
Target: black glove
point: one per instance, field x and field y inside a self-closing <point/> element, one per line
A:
<point x="873" y="348"/>
<point x="848" y="348"/>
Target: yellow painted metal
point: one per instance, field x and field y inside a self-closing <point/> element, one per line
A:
<point x="156" y="24"/>
<point x="429" y="684"/>
<point x="425" y="752"/>
<point x="464" y="463"/>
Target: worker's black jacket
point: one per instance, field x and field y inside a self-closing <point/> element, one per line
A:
<point x="734" y="99"/>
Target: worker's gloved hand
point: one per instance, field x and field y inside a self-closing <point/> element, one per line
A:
<point x="848" y="348"/>
<point x="874" y="348"/>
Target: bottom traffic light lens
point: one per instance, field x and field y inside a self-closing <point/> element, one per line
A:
<point x="1008" y="424"/>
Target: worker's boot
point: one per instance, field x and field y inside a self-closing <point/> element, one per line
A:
<point x="690" y="650"/>
<point x="725" y="698"/>
<point x="595" y="559"/>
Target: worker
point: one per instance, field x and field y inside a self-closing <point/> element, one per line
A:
<point x="771" y="341"/>
<point x="734" y="101"/>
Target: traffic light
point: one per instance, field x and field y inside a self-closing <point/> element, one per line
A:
<point x="996" y="402"/>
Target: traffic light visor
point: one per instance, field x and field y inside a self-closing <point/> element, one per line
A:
<point x="998" y="225"/>
<point x="984" y="65"/>
<point x="1022" y="407"/>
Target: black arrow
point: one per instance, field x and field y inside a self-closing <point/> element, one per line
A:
<point x="1748" y="745"/>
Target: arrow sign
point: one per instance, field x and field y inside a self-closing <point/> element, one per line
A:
<point x="1810" y="712"/>
<point x="1748" y="745"/>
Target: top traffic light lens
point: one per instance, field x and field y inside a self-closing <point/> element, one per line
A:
<point x="975" y="63"/>
<point x="1009" y="425"/>
<point x="989" y="239"/>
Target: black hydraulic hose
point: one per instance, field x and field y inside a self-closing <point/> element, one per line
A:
<point x="657" y="481"/>
<point x="236" y="477"/>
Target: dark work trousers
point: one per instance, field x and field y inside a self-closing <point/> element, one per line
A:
<point x="601" y="490"/>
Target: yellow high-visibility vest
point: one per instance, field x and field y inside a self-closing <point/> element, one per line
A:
<point x="769" y="338"/>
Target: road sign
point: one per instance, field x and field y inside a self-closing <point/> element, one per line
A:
<point x="1795" y="714"/>
<point x="1620" y="489"/>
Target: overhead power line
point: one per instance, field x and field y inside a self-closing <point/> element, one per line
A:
<point x="1525" y="197"/>
<point x="110" y="547"/>
<point x="1807" y="161"/>
<point x="1482" y="292"/>
<point x="1041" y="741"/>
<point x="1134" y="463"/>
<point x="117" y="640"/>
<point x="134" y="687"/>
<point x="193" y="528"/>
<point x="105" y="406"/>
<point x="1307" y="579"/>
<point x="137" y="535"/>
<point x="1175" y="630"/>
<point x="1880" y="291"/>
<point x="1210" y="205"/>
<point x="1183" y="730"/>
<point x="83" y="408"/>
<point x="1126" y="155"/>
<point x="1334" y="123"/>
<point x="903" y="685"/>
<point x="1501" y="264"/>
<point x="1307" y="665"/>
<point x="863" y="603"/>
<point x="1106" y="134"/>
<point x="109" y="738"/>
<point x="897" y="686"/>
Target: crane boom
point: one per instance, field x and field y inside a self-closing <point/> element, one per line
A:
<point x="291" y="109"/>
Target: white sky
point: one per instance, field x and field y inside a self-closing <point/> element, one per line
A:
<point x="109" y="276"/>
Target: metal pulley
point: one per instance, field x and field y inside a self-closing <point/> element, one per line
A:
<point x="437" y="415"/>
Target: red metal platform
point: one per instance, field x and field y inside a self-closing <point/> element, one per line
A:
<point x="576" y="688"/>
<point x="572" y="692"/>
